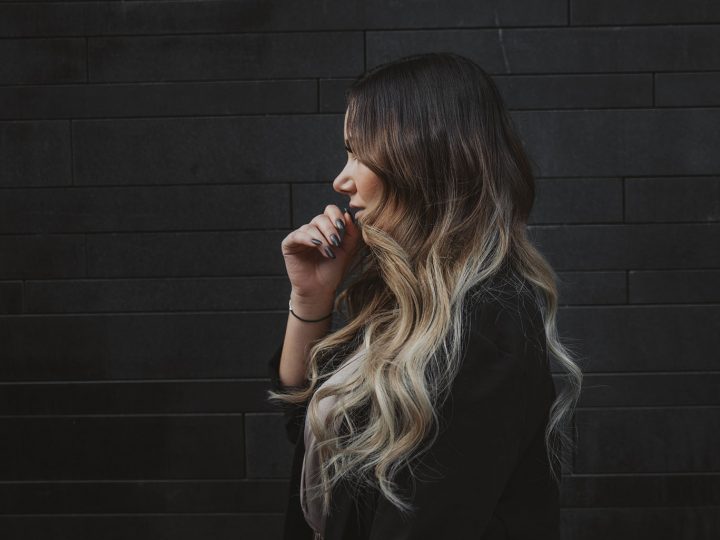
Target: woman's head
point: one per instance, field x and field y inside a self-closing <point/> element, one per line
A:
<point x="448" y="190"/>
<point x="434" y="147"/>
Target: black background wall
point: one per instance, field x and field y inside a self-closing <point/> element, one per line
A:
<point x="153" y="154"/>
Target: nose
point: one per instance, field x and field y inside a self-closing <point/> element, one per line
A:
<point x="343" y="184"/>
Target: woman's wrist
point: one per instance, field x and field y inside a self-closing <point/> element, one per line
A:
<point x="312" y="307"/>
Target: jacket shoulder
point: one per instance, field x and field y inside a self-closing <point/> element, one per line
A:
<point x="504" y="338"/>
<point x="506" y="312"/>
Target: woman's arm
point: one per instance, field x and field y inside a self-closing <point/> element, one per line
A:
<point x="462" y="476"/>
<point x="301" y="335"/>
<point x="287" y="366"/>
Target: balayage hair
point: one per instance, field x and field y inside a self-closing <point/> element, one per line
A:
<point x="458" y="191"/>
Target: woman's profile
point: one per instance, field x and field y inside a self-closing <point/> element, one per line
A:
<point x="431" y="413"/>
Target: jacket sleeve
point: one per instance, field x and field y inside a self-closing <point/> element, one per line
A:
<point x="294" y="414"/>
<point x="461" y="477"/>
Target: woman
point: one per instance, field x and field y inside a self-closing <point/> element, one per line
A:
<point x="432" y="413"/>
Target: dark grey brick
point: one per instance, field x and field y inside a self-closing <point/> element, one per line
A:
<point x="30" y="257"/>
<point x="578" y="200"/>
<point x="144" y="527"/>
<point x="687" y="89"/>
<point x="103" y="448"/>
<point x="562" y="50"/>
<point x="648" y="440"/>
<point x="161" y="208"/>
<point x="617" y="12"/>
<point x="158" y="99"/>
<point x="555" y="91"/>
<point x="186" y="254"/>
<point x="134" y="397"/>
<point x="71" y="18"/>
<point x="150" y="346"/>
<point x="592" y="91"/>
<point x="640" y="246"/>
<point x="636" y="522"/>
<point x="46" y="61"/>
<point x="482" y="46"/>
<point x="675" y="286"/>
<point x="647" y="338"/>
<point x="592" y="288"/>
<point x="268" y="452"/>
<point x="159" y="294"/>
<point x="627" y="491"/>
<point x="650" y="389"/>
<point x="143" y="497"/>
<point x="35" y="153"/>
<point x="11" y="297"/>
<point x="231" y="56"/>
<point x="622" y="142"/>
<point x="208" y="150"/>
<point x="331" y="96"/>
<point x="672" y="199"/>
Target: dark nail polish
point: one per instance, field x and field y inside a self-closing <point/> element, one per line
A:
<point x="335" y="239"/>
<point x="329" y="252"/>
<point x="345" y="209"/>
<point x="340" y="224"/>
<point x="316" y="241"/>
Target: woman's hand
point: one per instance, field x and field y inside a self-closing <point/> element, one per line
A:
<point x="315" y="265"/>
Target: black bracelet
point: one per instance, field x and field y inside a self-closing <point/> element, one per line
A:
<point x="307" y="320"/>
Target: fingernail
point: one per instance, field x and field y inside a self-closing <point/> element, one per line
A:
<point x="345" y="209"/>
<point x="341" y="228"/>
<point x="329" y="252"/>
<point x="316" y="241"/>
<point x="335" y="239"/>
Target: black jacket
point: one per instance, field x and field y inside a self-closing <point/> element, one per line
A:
<point x="494" y="480"/>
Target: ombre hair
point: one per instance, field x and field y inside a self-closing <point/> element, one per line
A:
<point x="458" y="191"/>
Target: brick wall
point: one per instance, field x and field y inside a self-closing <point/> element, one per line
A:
<point x="153" y="154"/>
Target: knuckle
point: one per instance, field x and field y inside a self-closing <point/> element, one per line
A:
<point x="321" y="221"/>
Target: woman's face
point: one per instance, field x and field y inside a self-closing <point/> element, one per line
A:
<point x="357" y="181"/>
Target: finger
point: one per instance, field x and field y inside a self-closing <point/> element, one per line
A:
<point x="338" y="218"/>
<point x="297" y="241"/>
<point x="330" y="230"/>
<point x="316" y="238"/>
<point x="351" y="226"/>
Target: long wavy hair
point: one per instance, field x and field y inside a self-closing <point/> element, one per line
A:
<point x="458" y="192"/>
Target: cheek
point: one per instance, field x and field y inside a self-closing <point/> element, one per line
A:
<point x="369" y="183"/>
<point x="377" y="187"/>
<point x="368" y="188"/>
